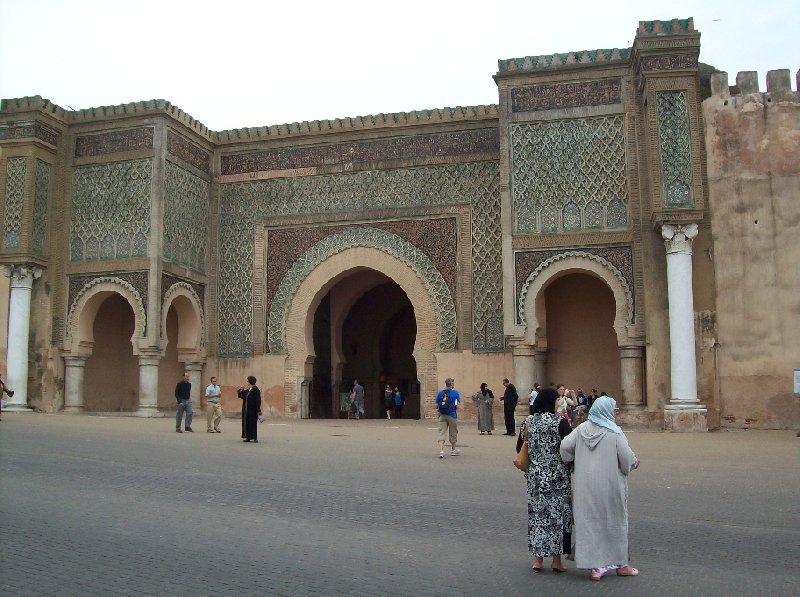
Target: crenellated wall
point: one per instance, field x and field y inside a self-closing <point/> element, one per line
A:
<point x="753" y="150"/>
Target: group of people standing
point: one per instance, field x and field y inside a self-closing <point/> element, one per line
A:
<point x="483" y="400"/>
<point x="249" y="394"/>
<point x="585" y="510"/>
<point x="393" y="400"/>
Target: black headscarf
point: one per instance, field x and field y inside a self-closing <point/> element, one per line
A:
<point x="545" y="401"/>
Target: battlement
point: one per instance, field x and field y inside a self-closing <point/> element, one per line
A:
<point x="33" y="102"/>
<point x="582" y="57"/>
<point x="672" y="26"/>
<point x="779" y="85"/>
<point x="357" y="123"/>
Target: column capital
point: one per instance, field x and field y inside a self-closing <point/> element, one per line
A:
<point x="192" y="366"/>
<point x="75" y="360"/>
<point x="678" y="237"/>
<point x="23" y="275"/>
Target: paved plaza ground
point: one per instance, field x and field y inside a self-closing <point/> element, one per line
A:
<point x="95" y="505"/>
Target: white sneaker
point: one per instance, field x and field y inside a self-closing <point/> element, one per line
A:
<point x="441" y="454"/>
<point x="455" y="452"/>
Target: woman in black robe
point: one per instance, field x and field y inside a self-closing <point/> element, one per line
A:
<point x="251" y="408"/>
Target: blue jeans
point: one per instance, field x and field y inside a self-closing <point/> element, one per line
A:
<point x="184" y="405"/>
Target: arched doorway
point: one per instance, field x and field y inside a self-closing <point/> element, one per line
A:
<point x="365" y="329"/>
<point x="583" y="351"/>
<point x="111" y="377"/>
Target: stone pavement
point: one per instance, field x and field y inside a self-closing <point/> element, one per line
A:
<point x="125" y="506"/>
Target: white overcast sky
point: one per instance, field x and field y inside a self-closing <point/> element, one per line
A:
<point x="238" y="63"/>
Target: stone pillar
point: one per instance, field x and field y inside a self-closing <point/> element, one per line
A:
<point x="148" y="384"/>
<point x="73" y="383"/>
<point x="523" y="356"/>
<point x="195" y="371"/>
<point x="684" y="412"/>
<point x="540" y="367"/>
<point x="19" y="326"/>
<point x="632" y="375"/>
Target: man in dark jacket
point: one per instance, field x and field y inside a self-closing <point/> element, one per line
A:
<point x="510" y="399"/>
<point x="183" y="394"/>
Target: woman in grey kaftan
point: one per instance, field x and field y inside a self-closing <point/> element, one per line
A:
<point x="483" y="400"/>
<point x="603" y="461"/>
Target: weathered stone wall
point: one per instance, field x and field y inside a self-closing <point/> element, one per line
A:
<point x="753" y="145"/>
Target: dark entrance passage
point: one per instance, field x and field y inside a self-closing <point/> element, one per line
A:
<point x="365" y="329"/>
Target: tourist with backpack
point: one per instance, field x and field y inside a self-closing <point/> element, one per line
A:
<point x="447" y="404"/>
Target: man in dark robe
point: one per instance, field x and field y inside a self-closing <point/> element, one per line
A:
<point x="510" y="399"/>
<point x="251" y="409"/>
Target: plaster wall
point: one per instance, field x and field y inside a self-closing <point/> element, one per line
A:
<point x="232" y="373"/>
<point x="111" y="375"/>
<point x="469" y="370"/>
<point x="582" y="345"/>
<point x="753" y="143"/>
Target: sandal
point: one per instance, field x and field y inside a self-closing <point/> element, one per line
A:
<point x="597" y="575"/>
<point x="627" y="571"/>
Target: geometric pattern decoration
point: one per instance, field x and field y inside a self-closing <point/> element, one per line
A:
<point x="569" y="175"/>
<point x="15" y="196"/>
<point x="475" y="183"/>
<point x="675" y="152"/>
<point x="40" y="207"/>
<point x="111" y="211"/>
<point x="185" y="218"/>
<point x="363" y="236"/>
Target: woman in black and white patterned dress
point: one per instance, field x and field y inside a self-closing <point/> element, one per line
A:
<point x="549" y="490"/>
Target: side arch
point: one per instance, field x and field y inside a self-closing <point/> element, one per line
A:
<point x="387" y="244"/>
<point x="191" y="322"/>
<point x="298" y="368"/>
<point x="531" y="302"/>
<point x="79" y="339"/>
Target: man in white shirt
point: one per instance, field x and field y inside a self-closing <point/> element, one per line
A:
<point x="534" y="394"/>
<point x="213" y="408"/>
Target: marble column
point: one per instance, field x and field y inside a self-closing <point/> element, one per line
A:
<point x="19" y="326"/>
<point x="523" y="356"/>
<point x="73" y="383"/>
<point x="540" y="367"/>
<point x="195" y="371"/>
<point x="684" y="409"/>
<point x="632" y="375"/>
<point x="148" y="384"/>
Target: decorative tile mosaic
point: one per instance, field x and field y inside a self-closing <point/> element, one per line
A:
<point x="675" y="150"/>
<point x="527" y="262"/>
<point x="566" y="95"/>
<point x="39" y="231"/>
<point x="436" y="238"/>
<point x="111" y="207"/>
<point x="15" y="197"/>
<point x="168" y="281"/>
<point x="579" y="162"/>
<point x="360" y="152"/>
<point x="114" y="142"/>
<point x="476" y="183"/>
<point x="190" y="153"/>
<point x="186" y="207"/>
<point x="138" y="280"/>
<point x="677" y="62"/>
<point x="362" y="236"/>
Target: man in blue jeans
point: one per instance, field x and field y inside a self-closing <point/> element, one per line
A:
<point x="183" y="394"/>
<point x="447" y="403"/>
